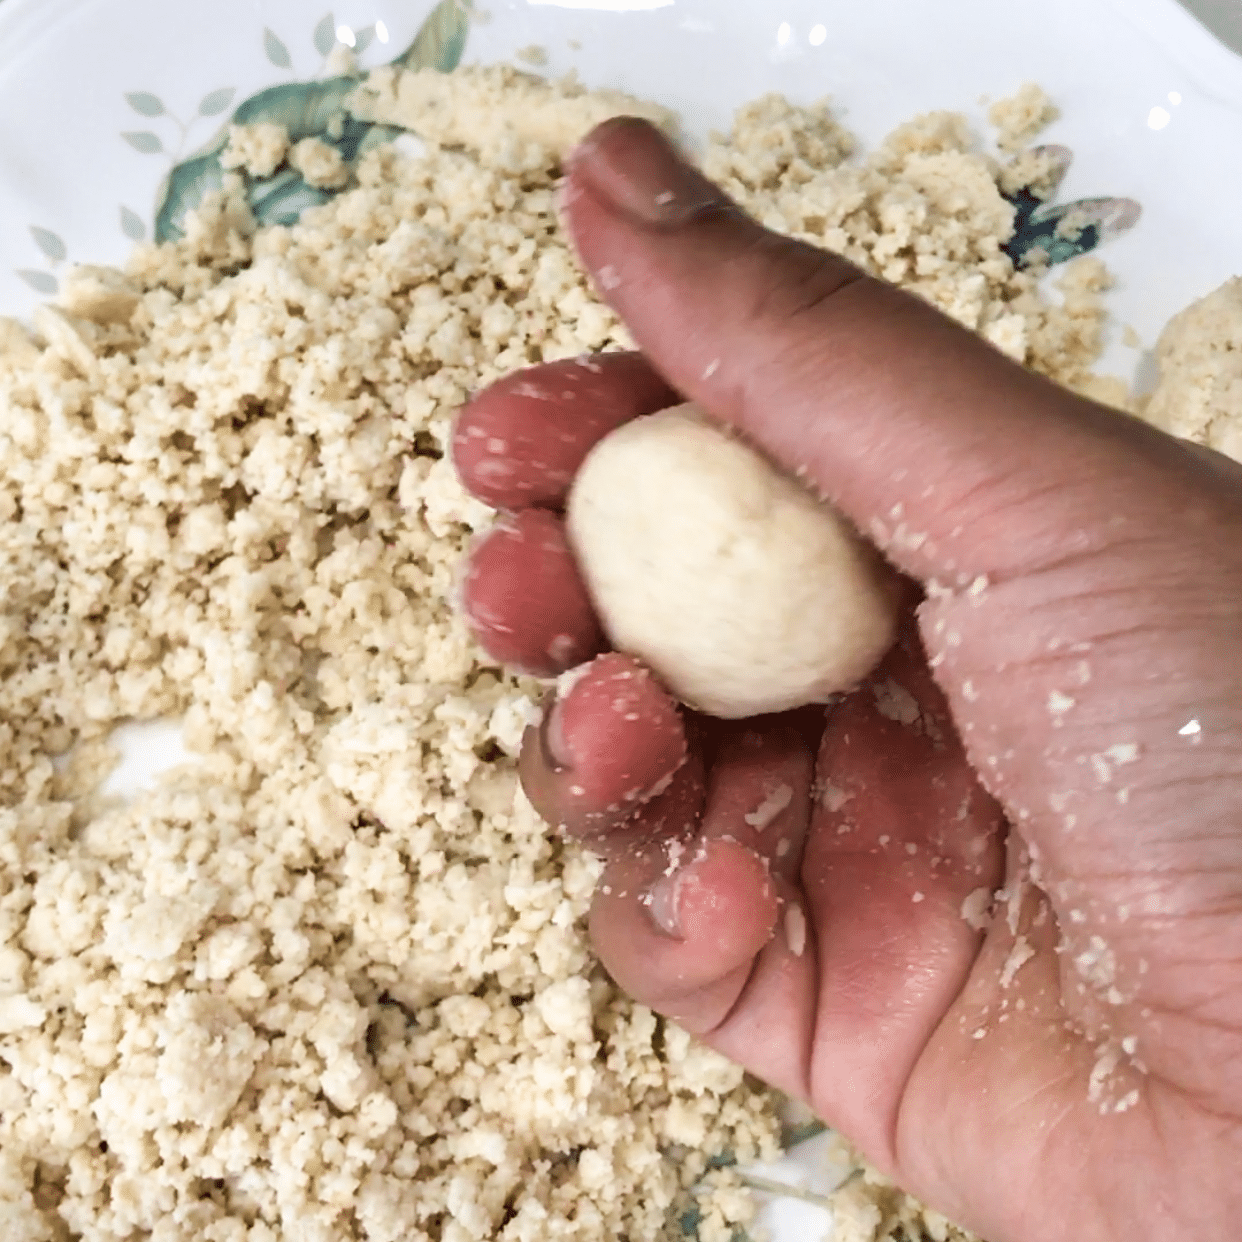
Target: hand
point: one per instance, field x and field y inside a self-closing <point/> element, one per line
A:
<point x="1062" y="720"/>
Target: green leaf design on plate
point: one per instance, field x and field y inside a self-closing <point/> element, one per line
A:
<point x="216" y="102"/>
<point x="325" y="34"/>
<point x="276" y="51"/>
<point x="1060" y="158"/>
<point x="145" y="104"/>
<point x="132" y="225"/>
<point x="185" y="187"/>
<point x="362" y="39"/>
<point x="441" y="39"/>
<point x="49" y="242"/>
<point x="145" y="141"/>
<point x="282" y="197"/>
<point x="692" y="1218"/>
<point x="41" y="282"/>
<point x="803" y="1133"/>
<point x="306" y="110"/>
<point x="1066" y="230"/>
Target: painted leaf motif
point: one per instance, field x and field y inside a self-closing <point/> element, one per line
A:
<point x="361" y="136"/>
<point x="325" y="34"/>
<point x="305" y="109"/>
<point x="276" y="51"/>
<point x="281" y="199"/>
<point x="802" y="1133"/>
<point x="132" y="225"/>
<point x="49" y="242"/>
<point x="185" y="188"/>
<point x="144" y="140"/>
<point x="362" y="39"/>
<point x="217" y="101"/>
<point x="40" y="282"/>
<point x="440" y="40"/>
<point x="145" y="104"/>
<point x="1028" y="198"/>
<point x="1067" y="230"/>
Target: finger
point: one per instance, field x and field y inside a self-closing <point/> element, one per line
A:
<point x="904" y="854"/>
<point x="519" y="444"/>
<point x="524" y="600"/>
<point x="957" y="461"/>
<point x="613" y="743"/>
<point x="711" y="930"/>
<point x="683" y="938"/>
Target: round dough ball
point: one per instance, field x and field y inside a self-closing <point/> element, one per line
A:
<point x="742" y="592"/>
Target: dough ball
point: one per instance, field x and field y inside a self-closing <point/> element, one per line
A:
<point x="703" y="560"/>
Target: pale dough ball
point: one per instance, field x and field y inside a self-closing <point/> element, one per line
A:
<point x="742" y="592"/>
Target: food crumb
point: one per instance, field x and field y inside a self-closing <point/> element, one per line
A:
<point x="258" y="149"/>
<point x="795" y="929"/>
<point x="532" y="54"/>
<point x="976" y="909"/>
<point x="320" y="163"/>
<point x="771" y="806"/>
<point x="1021" y="116"/>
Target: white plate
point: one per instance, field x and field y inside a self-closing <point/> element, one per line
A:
<point x="101" y="98"/>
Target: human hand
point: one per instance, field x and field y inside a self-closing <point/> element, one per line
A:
<point x="1061" y="719"/>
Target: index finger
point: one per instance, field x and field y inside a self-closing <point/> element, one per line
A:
<point x="519" y="443"/>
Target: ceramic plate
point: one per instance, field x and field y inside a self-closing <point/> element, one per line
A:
<point x="115" y="110"/>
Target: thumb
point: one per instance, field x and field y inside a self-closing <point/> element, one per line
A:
<point x="1083" y="569"/>
<point x="952" y="458"/>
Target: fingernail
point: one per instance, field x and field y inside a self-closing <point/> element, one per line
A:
<point x="632" y="165"/>
<point x="662" y="901"/>
<point x="552" y="735"/>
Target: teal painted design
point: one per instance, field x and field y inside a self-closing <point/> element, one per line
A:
<point x="50" y="243"/>
<point x="314" y="109"/>
<point x="54" y="251"/>
<point x="41" y="282"/>
<point x="690" y="1219"/>
<point x="1063" y="231"/>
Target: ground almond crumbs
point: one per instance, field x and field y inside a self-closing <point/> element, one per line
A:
<point x="332" y="981"/>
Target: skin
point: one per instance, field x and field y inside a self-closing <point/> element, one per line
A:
<point x="1061" y="720"/>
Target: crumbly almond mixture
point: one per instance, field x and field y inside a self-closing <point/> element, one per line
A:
<point x="1199" y="396"/>
<point x="259" y="149"/>
<point x="869" y="1208"/>
<point x="923" y="211"/>
<point x="505" y="115"/>
<point x="332" y="980"/>
<point x="319" y="163"/>
<point x="1021" y="116"/>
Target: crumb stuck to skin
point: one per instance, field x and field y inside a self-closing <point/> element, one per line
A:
<point x="771" y="806"/>
<point x="795" y="929"/>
